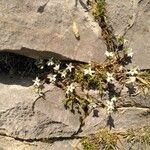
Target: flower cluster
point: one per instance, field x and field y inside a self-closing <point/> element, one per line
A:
<point x="105" y="78"/>
<point x="109" y="54"/>
<point x="110" y="78"/>
<point x="38" y="86"/>
<point x="110" y="104"/>
<point x="89" y="71"/>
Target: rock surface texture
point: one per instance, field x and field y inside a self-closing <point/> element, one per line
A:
<point x="131" y="18"/>
<point x="43" y="28"/>
<point x="40" y="122"/>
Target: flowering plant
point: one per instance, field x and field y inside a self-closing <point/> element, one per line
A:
<point x="104" y="78"/>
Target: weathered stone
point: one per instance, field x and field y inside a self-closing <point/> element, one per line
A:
<point x="131" y="19"/>
<point x="66" y="145"/>
<point x="27" y="29"/>
<point x="8" y="143"/>
<point x="120" y="14"/>
<point x="138" y="98"/>
<point x="123" y="119"/>
<point x="42" y="28"/>
<point x="49" y="119"/>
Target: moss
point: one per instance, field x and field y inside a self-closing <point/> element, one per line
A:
<point x="107" y="140"/>
<point x="89" y="145"/>
<point x="103" y="139"/>
<point x="98" y="9"/>
<point x="138" y="136"/>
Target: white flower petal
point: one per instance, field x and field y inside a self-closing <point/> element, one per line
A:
<point x="70" y="67"/>
<point x="50" y="62"/>
<point x="133" y="71"/>
<point x="110" y="77"/>
<point x="89" y="71"/>
<point x="70" y="88"/>
<point x="52" y="78"/>
<point x="37" y="82"/>
<point x="110" y="106"/>
<point x="114" y="99"/>
<point x="109" y="54"/>
<point x="63" y="74"/>
<point x="57" y="67"/>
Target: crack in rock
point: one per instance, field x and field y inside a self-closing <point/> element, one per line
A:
<point x="20" y="122"/>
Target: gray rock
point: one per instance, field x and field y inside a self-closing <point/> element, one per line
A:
<point x="42" y="28"/>
<point x="131" y="19"/>
<point x="123" y="119"/>
<point x="49" y="119"/>
<point x="8" y="143"/>
<point x="139" y="36"/>
<point x="66" y="145"/>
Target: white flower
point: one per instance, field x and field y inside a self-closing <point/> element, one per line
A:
<point x="120" y="68"/>
<point x="133" y="71"/>
<point x="109" y="54"/>
<point x="114" y="99"/>
<point x="89" y="71"/>
<point x="131" y="80"/>
<point x="57" y="67"/>
<point x="63" y="74"/>
<point x="70" y="67"/>
<point x="52" y="78"/>
<point x="70" y="88"/>
<point x="110" y="77"/>
<point x="129" y="52"/>
<point x="110" y="106"/>
<point x="41" y="67"/>
<point x="50" y="62"/>
<point x="37" y="82"/>
<point x="125" y="41"/>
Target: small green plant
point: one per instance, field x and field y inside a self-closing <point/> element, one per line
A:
<point x="104" y="78"/>
<point x="102" y="140"/>
<point x="89" y="145"/>
<point x="107" y="78"/>
<point x="98" y="8"/>
<point x="138" y="136"/>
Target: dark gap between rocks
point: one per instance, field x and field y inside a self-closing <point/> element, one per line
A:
<point x="15" y="64"/>
<point x="45" y="140"/>
<point x="17" y="69"/>
<point x="21" y="70"/>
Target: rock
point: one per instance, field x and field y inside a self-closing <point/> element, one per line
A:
<point x="120" y="14"/>
<point x="123" y="119"/>
<point x="139" y="36"/>
<point x="7" y="143"/>
<point x="131" y="19"/>
<point x="42" y="28"/>
<point x="49" y="119"/>
<point x="66" y="145"/>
